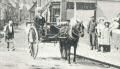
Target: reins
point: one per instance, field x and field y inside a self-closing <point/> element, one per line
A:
<point x="77" y="30"/>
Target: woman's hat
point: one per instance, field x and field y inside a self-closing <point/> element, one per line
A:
<point x="101" y="18"/>
<point x="107" y="22"/>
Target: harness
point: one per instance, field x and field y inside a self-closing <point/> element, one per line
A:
<point x="76" y="31"/>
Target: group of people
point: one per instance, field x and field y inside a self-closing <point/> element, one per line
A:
<point x="100" y="31"/>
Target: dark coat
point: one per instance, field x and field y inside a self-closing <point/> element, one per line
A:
<point x="39" y="21"/>
<point x="9" y="35"/>
<point x="91" y="27"/>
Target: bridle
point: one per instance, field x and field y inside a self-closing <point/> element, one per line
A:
<point x="78" y="29"/>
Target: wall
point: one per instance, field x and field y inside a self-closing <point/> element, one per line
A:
<point x="108" y="9"/>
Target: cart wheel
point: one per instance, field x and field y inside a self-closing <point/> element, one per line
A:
<point x="33" y="40"/>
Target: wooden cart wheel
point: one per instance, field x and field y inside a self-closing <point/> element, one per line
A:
<point x="33" y="41"/>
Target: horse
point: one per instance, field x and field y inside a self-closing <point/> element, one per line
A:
<point x="76" y="31"/>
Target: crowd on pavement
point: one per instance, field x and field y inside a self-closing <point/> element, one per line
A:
<point x="100" y="31"/>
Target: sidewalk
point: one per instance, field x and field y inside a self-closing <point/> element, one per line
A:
<point x="112" y="57"/>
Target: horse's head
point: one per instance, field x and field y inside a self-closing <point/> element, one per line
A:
<point x="80" y="28"/>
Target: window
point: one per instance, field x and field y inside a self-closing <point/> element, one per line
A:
<point x="85" y="6"/>
<point x="70" y="5"/>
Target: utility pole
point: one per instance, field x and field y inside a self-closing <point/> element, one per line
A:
<point x="95" y="12"/>
<point x="75" y="10"/>
<point x="63" y="10"/>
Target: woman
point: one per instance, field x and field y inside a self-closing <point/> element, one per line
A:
<point x="100" y="26"/>
<point x="105" y="38"/>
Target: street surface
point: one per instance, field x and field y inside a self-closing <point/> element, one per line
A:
<point x="48" y="56"/>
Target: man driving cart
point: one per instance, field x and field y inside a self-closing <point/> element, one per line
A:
<point x="39" y="21"/>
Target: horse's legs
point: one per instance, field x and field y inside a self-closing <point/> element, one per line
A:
<point x="61" y="49"/>
<point x="69" y="49"/>
<point x="75" y="47"/>
<point x="65" y="51"/>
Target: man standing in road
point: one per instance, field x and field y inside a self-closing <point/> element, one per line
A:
<point x="91" y="31"/>
<point x="39" y="21"/>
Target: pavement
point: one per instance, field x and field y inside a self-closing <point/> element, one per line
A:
<point x="48" y="56"/>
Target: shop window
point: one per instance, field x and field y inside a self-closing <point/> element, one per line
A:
<point x="70" y="5"/>
<point x="85" y="6"/>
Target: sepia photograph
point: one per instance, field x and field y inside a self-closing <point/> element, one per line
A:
<point x="59" y="34"/>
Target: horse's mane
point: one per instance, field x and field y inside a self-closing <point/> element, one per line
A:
<point x="73" y="22"/>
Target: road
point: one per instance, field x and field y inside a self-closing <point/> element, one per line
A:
<point x="48" y="56"/>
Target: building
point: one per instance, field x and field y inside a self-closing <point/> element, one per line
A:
<point x="32" y="11"/>
<point x="3" y="7"/>
<point x="7" y="11"/>
<point x="51" y="9"/>
<point x="82" y="9"/>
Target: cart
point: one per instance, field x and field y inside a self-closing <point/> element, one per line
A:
<point x="52" y="33"/>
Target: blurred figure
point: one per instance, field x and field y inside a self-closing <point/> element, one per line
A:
<point x="39" y="21"/>
<point x="9" y="35"/>
<point x="114" y="23"/>
<point x="100" y="26"/>
<point x="91" y="31"/>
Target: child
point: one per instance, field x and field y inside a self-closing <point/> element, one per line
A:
<point x="9" y="35"/>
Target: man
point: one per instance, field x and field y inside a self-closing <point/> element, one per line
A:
<point x="39" y="21"/>
<point x="91" y="31"/>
